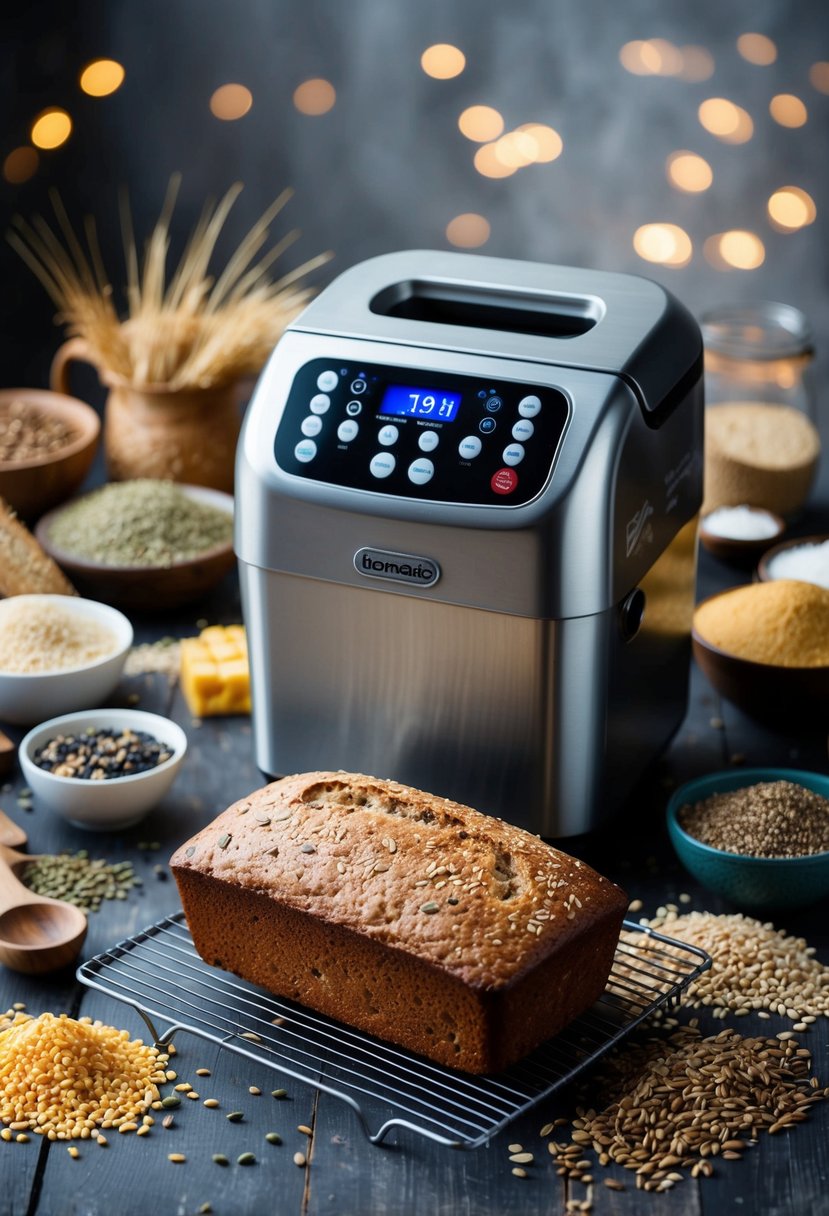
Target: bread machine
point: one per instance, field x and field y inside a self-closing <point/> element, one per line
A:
<point x="465" y="520"/>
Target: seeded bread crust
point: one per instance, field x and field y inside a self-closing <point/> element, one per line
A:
<point x="24" y="567"/>
<point x="417" y="919"/>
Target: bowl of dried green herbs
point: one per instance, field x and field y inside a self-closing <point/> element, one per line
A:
<point x="145" y="545"/>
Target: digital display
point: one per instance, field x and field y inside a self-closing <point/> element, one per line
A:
<point x="405" y="400"/>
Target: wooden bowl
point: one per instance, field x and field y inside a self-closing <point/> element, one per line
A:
<point x="763" y="566"/>
<point x="147" y="588"/>
<point x="33" y="486"/>
<point x="776" y="696"/>
<point x="739" y="552"/>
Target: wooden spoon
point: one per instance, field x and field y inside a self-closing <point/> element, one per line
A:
<point x="37" y="934"/>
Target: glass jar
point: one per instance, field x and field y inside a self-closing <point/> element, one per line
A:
<point x="761" y="443"/>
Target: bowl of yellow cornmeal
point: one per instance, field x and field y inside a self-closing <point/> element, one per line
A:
<point x="765" y="648"/>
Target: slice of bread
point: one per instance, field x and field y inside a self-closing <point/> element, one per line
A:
<point x="24" y="567"/>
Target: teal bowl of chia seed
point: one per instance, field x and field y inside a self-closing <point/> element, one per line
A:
<point x="758" y="837"/>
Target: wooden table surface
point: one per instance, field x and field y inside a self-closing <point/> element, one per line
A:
<point x="785" y="1174"/>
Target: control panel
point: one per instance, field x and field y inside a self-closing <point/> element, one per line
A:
<point x="420" y="434"/>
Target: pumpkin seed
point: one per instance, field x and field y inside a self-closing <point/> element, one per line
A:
<point x="224" y="840"/>
<point x="235" y="1116"/>
<point x="273" y="1138"/>
<point x="220" y="1159"/>
<point x="246" y="1159"/>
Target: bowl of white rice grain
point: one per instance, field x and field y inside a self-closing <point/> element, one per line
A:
<point x="58" y="654"/>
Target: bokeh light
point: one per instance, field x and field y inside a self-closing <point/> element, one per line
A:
<point x="489" y="164"/>
<point x="20" y="165"/>
<point x="468" y="231"/>
<point x="791" y="208"/>
<point x="819" y="76"/>
<point x="788" y="110"/>
<point x="102" y="77"/>
<point x="442" y="61"/>
<point x="689" y="172"/>
<point x="516" y="149"/>
<point x="230" y="102"/>
<point x="548" y="143"/>
<point x="667" y="244"/>
<point x="651" y="57"/>
<point x="726" y="120"/>
<point x="481" y="123"/>
<point x="315" y="97"/>
<point x="735" y="250"/>
<point x="757" y="48"/>
<point x="697" y="63"/>
<point x="51" y="128"/>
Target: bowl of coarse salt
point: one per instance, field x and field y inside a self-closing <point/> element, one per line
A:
<point x="58" y="654"/>
<point x="740" y="533"/>
<point x="805" y="559"/>
<point x="758" y="837"/>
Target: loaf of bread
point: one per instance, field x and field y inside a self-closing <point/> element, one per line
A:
<point x="419" y="920"/>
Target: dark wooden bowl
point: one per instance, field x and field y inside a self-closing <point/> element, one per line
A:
<point x="776" y="696"/>
<point x="146" y="588"/>
<point x="34" y="486"/>
<point x="739" y="552"/>
<point x="763" y="566"/>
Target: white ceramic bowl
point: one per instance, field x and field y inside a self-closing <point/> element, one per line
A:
<point x="118" y="802"/>
<point x="27" y="698"/>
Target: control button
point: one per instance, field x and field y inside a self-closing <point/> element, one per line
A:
<point x="493" y="404"/>
<point x="311" y="426"/>
<point x="428" y="441"/>
<point x="504" y="481"/>
<point x="320" y="403"/>
<point x="347" y="431"/>
<point x="421" y="471"/>
<point x="358" y="386"/>
<point x="469" y="447"/>
<point x="529" y="407"/>
<point x="353" y="408"/>
<point x="523" y="429"/>
<point x="513" y="454"/>
<point x="487" y="425"/>
<point x="387" y="435"/>
<point x="327" y="381"/>
<point x="305" y="450"/>
<point x="382" y="464"/>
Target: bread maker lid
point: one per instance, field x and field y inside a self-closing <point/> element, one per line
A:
<point x="593" y="320"/>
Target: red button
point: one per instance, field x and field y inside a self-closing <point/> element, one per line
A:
<point x="504" y="481"/>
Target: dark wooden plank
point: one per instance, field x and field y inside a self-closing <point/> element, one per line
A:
<point x="346" y="1173"/>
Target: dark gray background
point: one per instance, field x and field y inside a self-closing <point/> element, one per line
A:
<point x="387" y="168"/>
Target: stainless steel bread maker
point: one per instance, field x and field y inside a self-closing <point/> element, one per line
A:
<point x="466" y="499"/>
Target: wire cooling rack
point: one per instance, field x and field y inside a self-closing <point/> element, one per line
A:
<point x="160" y="974"/>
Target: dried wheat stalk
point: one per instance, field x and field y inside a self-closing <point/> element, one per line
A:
<point x="191" y="331"/>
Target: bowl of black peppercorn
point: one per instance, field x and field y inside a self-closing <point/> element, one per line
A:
<point x="103" y="769"/>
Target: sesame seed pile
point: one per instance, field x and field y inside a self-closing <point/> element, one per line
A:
<point x="68" y="1079"/>
<point x="38" y="636"/>
<point x="770" y="819"/>
<point x="755" y="967"/>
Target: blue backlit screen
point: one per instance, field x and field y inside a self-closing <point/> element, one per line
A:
<point x="405" y="400"/>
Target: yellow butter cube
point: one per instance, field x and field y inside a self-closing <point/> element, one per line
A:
<point x="215" y="677"/>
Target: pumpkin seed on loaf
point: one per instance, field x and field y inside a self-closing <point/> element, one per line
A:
<point x="783" y="623"/>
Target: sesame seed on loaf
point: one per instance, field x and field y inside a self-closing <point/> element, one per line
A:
<point x="417" y="919"/>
